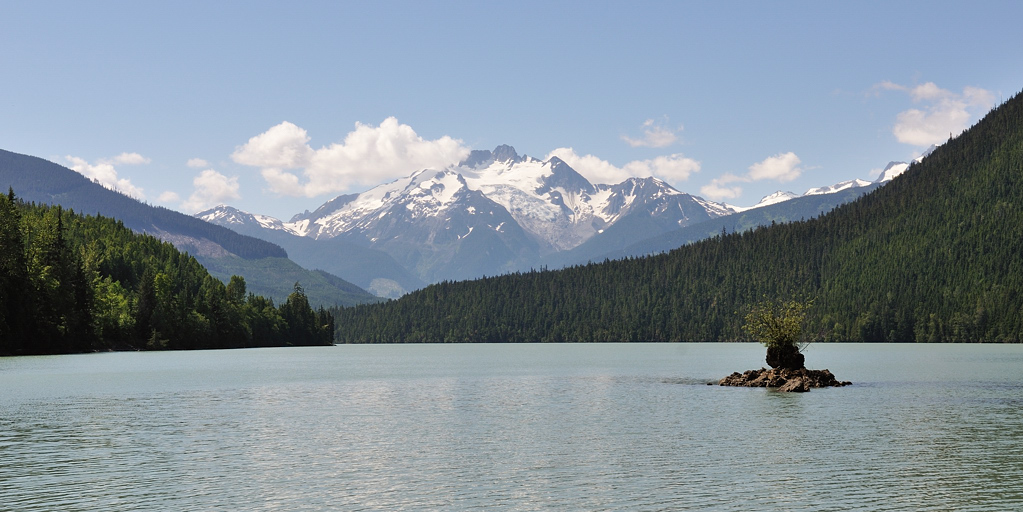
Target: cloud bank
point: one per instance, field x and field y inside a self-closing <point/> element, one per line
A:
<point x="369" y="155"/>
<point x="671" y="168"/>
<point x="942" y="113"/>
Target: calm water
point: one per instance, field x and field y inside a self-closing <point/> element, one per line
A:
<point x="511" y="427"/>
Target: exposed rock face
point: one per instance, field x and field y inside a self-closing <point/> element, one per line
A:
<point x="786" y="356"/>
<point x="784" y="379"/>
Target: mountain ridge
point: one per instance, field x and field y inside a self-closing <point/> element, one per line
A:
<point x="37" y="180"/>
<point x="512" y="207"/>
<point x="936" y="254"/>
<point x="560" y="218"/>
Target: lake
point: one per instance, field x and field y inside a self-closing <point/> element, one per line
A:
<point x="511" y="427"/>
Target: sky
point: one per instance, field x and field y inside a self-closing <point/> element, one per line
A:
<point x="277" y="107"/>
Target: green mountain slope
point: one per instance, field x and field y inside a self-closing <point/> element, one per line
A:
<point x="935" y="255"/>
<point x="40" y="181"/>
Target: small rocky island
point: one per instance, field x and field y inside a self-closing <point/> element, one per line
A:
<point x="779" y="326"/>
<point x="784" y="379"/>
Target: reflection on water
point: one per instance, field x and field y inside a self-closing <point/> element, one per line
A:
<point x="519" y="427"/>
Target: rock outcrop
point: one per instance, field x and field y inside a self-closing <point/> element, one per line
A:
<point x="785" y="379"/>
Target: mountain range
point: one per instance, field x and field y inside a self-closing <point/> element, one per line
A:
<point x="264" y="265"/>
<point x="498" y="212"/>
<point x="934" y="255"/>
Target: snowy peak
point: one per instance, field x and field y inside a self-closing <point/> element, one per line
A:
<point x="326" y="208"/>
<point x="225" y="215"/>
<point x="499" y="211"/>
<point x="925" y="154"/>
<point x="483" y="158"/>
<point x="548" y="200"/>
<point x="623" y="197"/>
<point x="229" y="216"/>
<point x="892" y="170"/>
<point x="425" y="193"/>
<point x="564" y="177"/>
<point x="775" y="198"/>
<point x="838" y="187"/>
<point x="505" y="153"/>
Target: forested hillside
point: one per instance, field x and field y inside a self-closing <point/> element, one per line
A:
<point x="936" y="255"/>
<point x="74" y="283"/>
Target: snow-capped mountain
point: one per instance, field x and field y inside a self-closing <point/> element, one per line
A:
<point x="775" y="198"/>
<point x="782" y="196"/>
<point x="838" y="187"/>
<point x="235" y="218"/>
<point x="495" y="212"/>
<point x="890" y="171"/>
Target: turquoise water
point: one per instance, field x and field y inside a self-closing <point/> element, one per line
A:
<point x="511" y="427"/>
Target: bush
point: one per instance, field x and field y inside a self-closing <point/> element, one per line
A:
<point x="777" y="324"/>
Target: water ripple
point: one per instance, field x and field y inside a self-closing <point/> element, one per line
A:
<point x="635" y="428"/>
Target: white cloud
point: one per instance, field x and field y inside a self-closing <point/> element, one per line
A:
<point x="781" y="167"/>
<point x="169" y="197"/>
<point x="128" y="159"/>
<point x="671" y="168"/>
<point x="284" y="183"/>
<point x="104" y="172"/>
<point x="655" y="135"/>
<point x="369" y="155"/>
<point x="943" y="113"/>
<point x="197" y="163"/>
<point x="211" y="189"/>
<point x="719" y="190"/>
<point x="284" y="146"/>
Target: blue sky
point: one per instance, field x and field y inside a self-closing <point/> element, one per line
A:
<point x="277" y="107"/>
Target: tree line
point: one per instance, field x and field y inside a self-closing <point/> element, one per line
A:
<point x="936" y="255"/>
<point x="74" y="283"/>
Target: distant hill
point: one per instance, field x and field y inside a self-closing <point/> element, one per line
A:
<point x="934" y="255"/>
<point x="40" y="181"/>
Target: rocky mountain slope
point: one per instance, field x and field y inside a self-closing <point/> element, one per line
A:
<point x="494" y="213"/>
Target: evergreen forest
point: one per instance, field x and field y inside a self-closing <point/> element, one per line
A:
<point x="936" y="255"/>
<point x="74" y="283"/>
